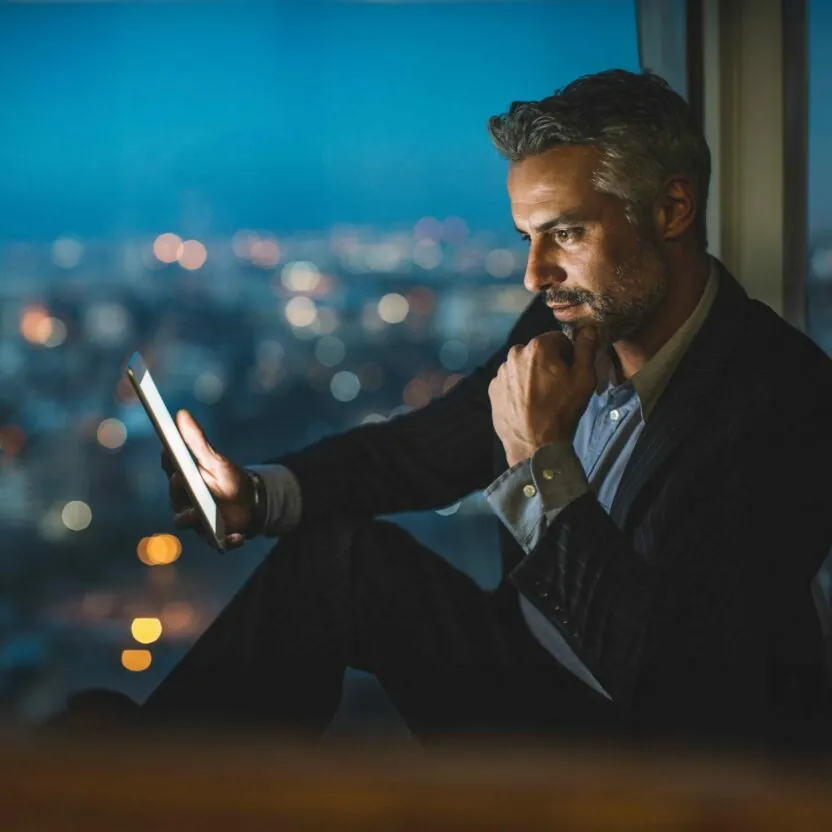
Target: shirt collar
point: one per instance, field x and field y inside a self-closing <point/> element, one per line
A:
<point x="650" y="381"/>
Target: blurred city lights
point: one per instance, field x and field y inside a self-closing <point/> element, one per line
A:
<point x="300" y="276"/>
<point x="370" y="320"/>
<point x="136" y="660"/>
<point x="167" y="248"/>
<point x="209" y="387"/>
<point x="12" y="439"/>
<point x="454" y="230"/>
<point x="76" y="515"/>
<point x="301" y="311"/>
<point x="428" y="228"/>
<point x="427" y="254"/>
<point x="193" y="255"/>
<point x="264" y="253"/>
<point x="112" y="433"/>
<point x="417" y="393"/>
<point x="159" y="549"/>
<point x="422" y="300"/>
<point x="327" y="321"/>
<point x="56" y="332"/>
<point x="451" y="381"/>
<point x="330" y="351"/>
<point x="345" y="386"/>
<point x="146" y="630"/>
<point x="383" y="257"/>
<point x="242" y="243"/>
<point x="500" y="263"/>
<point x="372" y="418"/>
<point x="106" y="323"/>
<point x="453" y="355"/>
<point x="178" y="617"/>
<point x="67" y="252"/>
<point x="393" y="308"/>
<point x="35" y="324"/>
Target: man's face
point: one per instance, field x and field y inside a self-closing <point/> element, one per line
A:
<point x="583" y="252"/>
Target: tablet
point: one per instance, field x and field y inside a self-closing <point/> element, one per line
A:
<point x="166" y="428"/>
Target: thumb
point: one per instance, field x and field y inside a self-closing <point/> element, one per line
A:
<point x="194" y="438"/>
<point x="585" y="345"/>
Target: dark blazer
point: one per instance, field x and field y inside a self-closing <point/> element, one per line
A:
<point x="690" y="601"/>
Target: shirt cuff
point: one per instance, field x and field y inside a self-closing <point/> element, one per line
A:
<point x="529" y="496"/>
<point x="283" y="498"/>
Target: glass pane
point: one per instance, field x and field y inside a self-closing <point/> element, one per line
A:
<point x="293" y="210"/>
<point x="819" y="283"/>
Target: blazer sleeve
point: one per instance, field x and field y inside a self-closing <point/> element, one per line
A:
<point x="673" y="619"/>
<point x="425" y="459"/>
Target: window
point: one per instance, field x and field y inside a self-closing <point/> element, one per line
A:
<point x="294" y="211"/>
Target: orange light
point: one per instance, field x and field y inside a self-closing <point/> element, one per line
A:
<point x="451" y="381"/>
<point x="178" y="616"/>
<point x="12" y="440"/>
<point x="264" y="253"/>
<point x="167" y="248"/>
<point x="159" y="549"/>
<point x="146" y="630"/>
<point x="136" y="660"/>
<point x="193" y="255"/>
<point x="35" y="324"/>
<point x="417" y="393"/>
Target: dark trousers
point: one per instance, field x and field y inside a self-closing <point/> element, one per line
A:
<point x="453" y="657"/>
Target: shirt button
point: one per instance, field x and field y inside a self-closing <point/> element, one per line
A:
<point x="615" y="415"/>
<point x="548" y="474"/>
<point x="529" y="490"/>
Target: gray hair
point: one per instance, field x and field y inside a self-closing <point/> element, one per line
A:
<point x="643" y="130"/>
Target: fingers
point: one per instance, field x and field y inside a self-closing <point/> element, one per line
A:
<point x="178" y="493"/>
<point x="194" y="438"/>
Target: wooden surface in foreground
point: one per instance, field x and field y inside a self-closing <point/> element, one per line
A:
<point x="260" y="783"/>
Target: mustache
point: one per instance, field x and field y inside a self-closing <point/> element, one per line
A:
<point x="573" y="297"/>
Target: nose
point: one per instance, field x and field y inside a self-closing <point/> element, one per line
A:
<point x="541" y="272"/>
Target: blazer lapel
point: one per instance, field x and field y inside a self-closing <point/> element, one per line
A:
<point x="688" y="394"/>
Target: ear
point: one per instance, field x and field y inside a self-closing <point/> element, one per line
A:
<point x="677" y="208"/>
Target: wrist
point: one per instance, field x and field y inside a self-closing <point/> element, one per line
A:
<point x="256" y="499"/>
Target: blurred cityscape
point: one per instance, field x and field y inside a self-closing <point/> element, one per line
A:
<point x="272" y="341"/>
<point x="160" y="164"/>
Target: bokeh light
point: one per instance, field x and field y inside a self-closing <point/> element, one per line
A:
<point x="500" y="263"/>
<point x="301" y="311"/>
<point x="209" y="387"/>
<point x="67" y="252"/>
<point x="35" y="324"/>
<point x="112" y="433"/>
<point x="393" y="308"/>
<point x="428" y="228"/>
<point x="146" y="630"/>
<point x="417" y="393"/>
<point x="264" y="253"/>
<point x="136" y="660"/>
<point x="345" y="386"/>
<point x="167" y="248"/>
<point x="330" y="351"/>
<point x="427" y="254"/>
<point x="451" y="381"/>
<point x="193" y="255"/>
<point x="106" y="323"/>
<point x="178" y="617"/>
<point x="76" y="515"/>
<point x="159" y="549"/>
<point x="300" y="276"/>
<point x="12" y="439"/>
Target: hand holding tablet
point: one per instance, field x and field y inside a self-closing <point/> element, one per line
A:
<point x="208" y="492"/>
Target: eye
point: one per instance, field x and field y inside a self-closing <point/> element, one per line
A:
<point x="568" y="235"/>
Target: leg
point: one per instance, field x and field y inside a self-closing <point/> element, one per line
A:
<point x="449" y="654"/>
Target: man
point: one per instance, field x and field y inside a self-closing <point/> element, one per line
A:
<point x="653" y="442"/>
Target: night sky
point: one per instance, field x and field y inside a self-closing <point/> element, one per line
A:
<point x="125" y="118"/>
